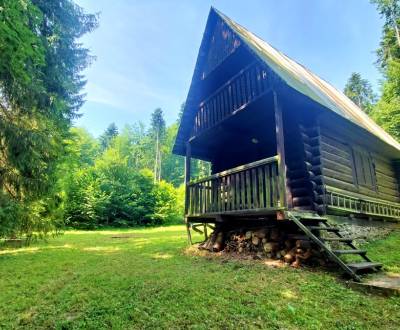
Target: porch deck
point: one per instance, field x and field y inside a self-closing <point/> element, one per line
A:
<point x="254" y="188"/>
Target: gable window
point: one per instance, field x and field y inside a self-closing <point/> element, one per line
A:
<point x="364" y="168"/>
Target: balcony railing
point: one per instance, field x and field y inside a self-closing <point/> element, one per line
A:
<point x="251" y="187"/>
<point x="347" y="202"/>
<point x="248" y="85"/>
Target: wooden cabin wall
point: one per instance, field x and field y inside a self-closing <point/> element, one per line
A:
<point x="386" y="178"/>
<point x="297" y="161"/>
<point x="342" y="164"/>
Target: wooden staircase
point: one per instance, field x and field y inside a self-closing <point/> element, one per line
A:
<point x="307" y="225"/>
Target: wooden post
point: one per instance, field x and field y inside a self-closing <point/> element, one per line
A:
<point x="187" y="176"/>
<point x="187" y="180"/>
<point x="284" y="191"/>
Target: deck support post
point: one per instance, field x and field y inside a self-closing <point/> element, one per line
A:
<point x="187" y="180"/>
<point x="284" y="191"/>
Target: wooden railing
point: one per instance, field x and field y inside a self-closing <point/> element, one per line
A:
<point x="347" y="202"/>
<point x="251" y="187"/>
<point x="249" y="84"/>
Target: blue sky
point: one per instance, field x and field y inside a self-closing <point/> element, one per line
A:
<point x="146" y="50"/>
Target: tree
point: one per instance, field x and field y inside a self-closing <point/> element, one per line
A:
<point x="390" y="43"/>
<point x="387" y="110"/>
<point x="40" y="93"/>
<point x="157" y="132"/>
<point x="359" y="90"/>
<point x="109" y="134"/>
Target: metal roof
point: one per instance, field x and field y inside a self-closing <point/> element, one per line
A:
<point x="307" y="83"/>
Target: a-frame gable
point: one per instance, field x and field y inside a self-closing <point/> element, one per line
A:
<point x="218" y="42"/>
<point x="222" y="43"/>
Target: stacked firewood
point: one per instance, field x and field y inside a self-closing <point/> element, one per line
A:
<point x="270" y="243"/>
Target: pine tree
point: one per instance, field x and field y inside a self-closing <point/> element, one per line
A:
<point x="387" y="110"/>
<point x="359" y="90"/>
<point x="157" y="132"/>
<point x="40" y="81"/>
<point x="108" y="135"/>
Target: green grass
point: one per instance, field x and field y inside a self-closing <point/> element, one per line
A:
<point x="91" y="280"/>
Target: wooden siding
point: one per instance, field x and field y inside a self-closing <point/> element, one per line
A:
<point x="251" y="187"/>
<point x="223" y="43"/>
<point x="245" y="87"/>
<point x="341" y="164"/>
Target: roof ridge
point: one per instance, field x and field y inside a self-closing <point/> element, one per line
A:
<point x="311" y="85"/>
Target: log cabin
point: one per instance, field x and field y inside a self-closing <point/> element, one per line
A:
<point x="283" y="143"/>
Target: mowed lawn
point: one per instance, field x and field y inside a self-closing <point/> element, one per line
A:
<point x="136" y="279"/>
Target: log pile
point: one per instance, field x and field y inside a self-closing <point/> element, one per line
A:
<point x="271" y="243"/>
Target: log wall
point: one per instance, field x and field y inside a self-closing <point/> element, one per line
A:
<point x="339" y="170"/>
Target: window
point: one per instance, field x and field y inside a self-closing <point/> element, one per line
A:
<point x="364" y="168"/>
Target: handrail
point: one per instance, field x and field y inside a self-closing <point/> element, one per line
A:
<point x="236" y="169"/>
<point x="360" y="197"/>
<point x="227" y="83"/>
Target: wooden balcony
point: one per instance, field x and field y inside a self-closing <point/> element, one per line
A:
<point x="252" y="188"/>
<point x="245" y="87"/>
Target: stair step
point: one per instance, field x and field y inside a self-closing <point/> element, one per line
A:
<point x="364" y="265"/>
<point x="349" y="251"/>
<point x="337" y="239"/>
<point x="323" y="228"/>
<point x="310" y="218"/>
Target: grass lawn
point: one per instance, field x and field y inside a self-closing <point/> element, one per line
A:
<point x="143" y="279"/>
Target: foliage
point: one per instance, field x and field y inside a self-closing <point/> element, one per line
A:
<point x="140" y="279"/>
<point x="390" y="43"/>
<point x="109" y="134"/>
<point x="359" y="90"/>
<point x="157" y="134"/>
<point x="113" y="188"/>
<point x="40" y="83"/>
<point x="387" y="110"/>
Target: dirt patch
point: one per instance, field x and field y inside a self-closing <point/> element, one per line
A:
<point x="382" y="284"/>
<point x="224" y="256"/>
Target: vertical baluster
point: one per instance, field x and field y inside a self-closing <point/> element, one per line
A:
<point x="210" y="110"/>
<point x="253" y="79"/>
<point x="195" y="198"/>
<point x="222" y="103"/>
<point x="265" y="79"/>
<point x="267" y="174"/>
<point x="232" y="191"/>
<point x="221" y="195"/>
<point x="275" y="184"/>
<point x="226" y="102"/>
<point x="237" y="191"/>
<point x="207" y="116"/>
<point x="242" y="99"/>
<point x="259" y="80"/>
<point x="189" y="191"/>
<point x="230" y="100"/>
<point x="248" y="189"/>
<point x="203" y="121"/>
<point x="234" y="97"/>
<point x="251" y="82"/>
<point x="248" y="89"/>
<point x="226" y="193"/>
<point x="225" y="205"/>
<point x="255" y="190"/>
<point x="208" y="194"/>
<point x="214" y="109"/>
<point x="261" y="186"/>
<point x="219" y="107"/>
<point x="243" y="190"/>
